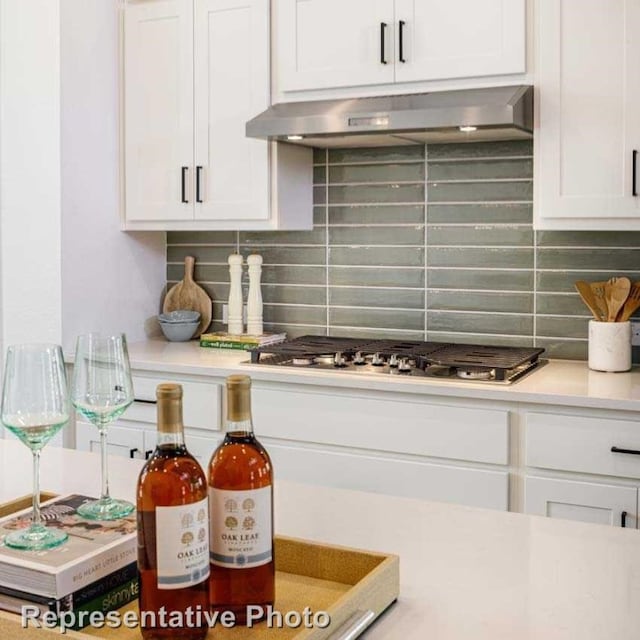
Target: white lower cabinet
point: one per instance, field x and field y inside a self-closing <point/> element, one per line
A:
<point x="597" y="503"/>
<point x="123" y="441"/>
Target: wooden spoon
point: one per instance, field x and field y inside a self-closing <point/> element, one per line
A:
<point x="601" y="303"/>
<point x="616" y="292"/>
<point x="588" y="297"/>
<point x="632" y="303"/>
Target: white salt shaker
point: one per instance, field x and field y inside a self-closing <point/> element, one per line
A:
<point x="235" y="294"/>
<point x="254" y="299"/>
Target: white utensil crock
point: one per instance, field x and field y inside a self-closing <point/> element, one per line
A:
<point x="609" y="346"/>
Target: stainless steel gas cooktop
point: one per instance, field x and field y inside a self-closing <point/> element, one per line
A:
<point x="477" y="363"/>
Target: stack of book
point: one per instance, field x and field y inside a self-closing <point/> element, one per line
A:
<point x="94" y="570"/>
<point x="240" y="341"/>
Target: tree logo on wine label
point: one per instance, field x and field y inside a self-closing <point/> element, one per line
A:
<point x="187" y="538"/>
<point x="230" y="505"/>
<point x="248" y="504"/>
<point x="187" y="520"/>
<point x="201" y="515"/>
<point x="230" y="522"/>
<point x="248" y="523"/>
<point x="202" y="534"/>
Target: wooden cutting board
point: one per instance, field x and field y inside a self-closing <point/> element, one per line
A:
<point x="189" y="295"/>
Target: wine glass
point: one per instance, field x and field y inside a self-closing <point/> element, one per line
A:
<point x="35" y="406"/>
<point x="101" y="390"/>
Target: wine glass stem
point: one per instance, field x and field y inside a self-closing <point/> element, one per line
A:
<point x="36" y="520"/>
<point x="104" y="460"/>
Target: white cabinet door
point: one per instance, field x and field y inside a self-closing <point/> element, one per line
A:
<point x="127" y="442"/>
<point x="231" y="87"/>
<point x="588" y="107"/>
<point x="158" y="110"/>
<point x="439" y="39"/>
<point x="334" y="43"/>
<point x="584" y="501"/>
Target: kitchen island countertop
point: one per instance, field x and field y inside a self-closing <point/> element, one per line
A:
<point x="559" y="382"/>
<point x="464" y="572"/>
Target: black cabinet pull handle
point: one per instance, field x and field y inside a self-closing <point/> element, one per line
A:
<point x="132" y="452"/>
<point x="633" y="452"/>
<point x="183" y="188"/>
<point x="198" y="171"/>
<point x="147" y="454"/>
<point x="634" y="173"/>
<point x="401" y="40"/>
<point x="145" y="401"/>
<point x="383" y="29"/>
<point x="623" y="519"/>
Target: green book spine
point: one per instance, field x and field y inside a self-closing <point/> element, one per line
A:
<point x="218" y="344"/>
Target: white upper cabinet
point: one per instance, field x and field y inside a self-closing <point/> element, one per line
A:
<point x="194" y="72"/>
<point x="325" y="44"/>
<point x="588" y="115"/>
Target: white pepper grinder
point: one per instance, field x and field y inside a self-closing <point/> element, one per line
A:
<point x="234" y="326"/>
<point x="254" y="299"/>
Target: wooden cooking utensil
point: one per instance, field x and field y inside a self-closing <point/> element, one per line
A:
<point x="631" y="304"/>
<point x="189" y="295"/>
<point x="616" y="292"/>
<point x="601" y="303"/>
<point x="588" y="297"/>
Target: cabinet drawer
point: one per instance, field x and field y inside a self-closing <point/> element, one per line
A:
<point x="126" y="442"/>
<point x="580" y="443"/>
<point x="425" y="481"/>
<point x="583" y="501"/>
<point x="401" y="426"/>
<point x="200" y="402"/>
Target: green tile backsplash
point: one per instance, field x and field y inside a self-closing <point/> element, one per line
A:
<point x="420" y="242"/>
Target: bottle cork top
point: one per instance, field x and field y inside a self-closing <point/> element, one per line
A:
<point x="238" y="398"/>
<point x="168" y="390"/>
<point x="169" y="395"/>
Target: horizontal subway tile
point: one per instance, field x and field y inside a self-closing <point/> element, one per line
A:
<point x="295" y="330"/>
<point x="589" y="238"/>
<point x="480" y="170"/>
<point x="289" y="255"/>
<point x="202" y="237"/>
<point x="503" y="149"/>
<point x="319" y="215"/>
<point x="406" y="172"/>
<point x="372" y="277"/>
<point x="376" y="334"/>
<point x="376" y="297"/>
<point x="567" y="349"/>
<point x="292" y="314"/>
<point x="319" y="175"/>
<point x="319" y="156"/>
<point x="564" y="280"/>
<point x="564" y="304"/>
<point x="473" y="257"/>
<point x="212" y="255"/>
<point x="485" y="279"/>
<point x="377" y="154"/>
<point x="376" y="193"/>
<point x="479" y="212"/>
<point x="298" y="274"/>
<point x="562" y="327"/>
<point x="475" y="338"/>
<point x="377" y="235"/>
<point x="479" y="301"/>
<point x="460" y="322"/>
<point x="480" y="191"/>
<point x="313" y="236"/>
<point x="377" y="318"/>
<point x="319" y="195"/>
<point x="202" y="273"/>
<point x="292" y="294"/>
<point x="377" y="256"/>
<point x="377" y="214"/>
<point x="479" y="235"/>
<point x="592" y="258"/>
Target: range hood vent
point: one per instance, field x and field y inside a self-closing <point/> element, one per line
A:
<point x="496" y="113"/>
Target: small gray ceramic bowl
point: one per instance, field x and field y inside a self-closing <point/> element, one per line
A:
<point x="180" y="315"/>
<point x="179" y="331"/>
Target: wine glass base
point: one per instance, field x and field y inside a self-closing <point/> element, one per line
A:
<point x="109" y="509"/>
<point x="35" y="538"/>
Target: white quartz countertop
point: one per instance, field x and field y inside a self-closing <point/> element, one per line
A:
<point x="560" y="382"/>
<point x="464" y="572"/>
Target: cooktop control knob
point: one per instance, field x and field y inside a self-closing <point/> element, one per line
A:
<point x="404" y="365"/>
<point x="393" y="360"/>
<point x="339" y="360"/>
<point x="359" y="358"/>
<point x="377" y="360"/>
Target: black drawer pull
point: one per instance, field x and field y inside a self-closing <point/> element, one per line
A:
<point x="183" y="184"/>
<point x="634" y="174"/>
<point x="132" y="452"/>
<point x="145" y="401"/>
<point x="623" y="519"/>
<point x="401" y="24"/>
<point x="147" y="454"/>
<point x="383" y="29"/>
<point x="198" y="172"/>
<point x="633" y="452"/>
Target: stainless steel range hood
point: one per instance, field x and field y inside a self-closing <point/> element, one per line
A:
<point x="496" y="113"/>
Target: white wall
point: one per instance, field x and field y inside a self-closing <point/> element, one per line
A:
<point x="111" y="281"/>
<point x="30" y="233"/>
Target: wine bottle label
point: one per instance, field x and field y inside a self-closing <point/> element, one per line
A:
<point x="182" y="545"/>
<point x="241" y="527"/>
